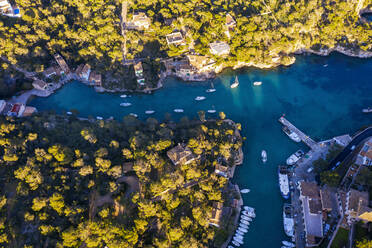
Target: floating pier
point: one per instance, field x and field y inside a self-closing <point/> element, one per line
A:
<point x="304" y="138"/>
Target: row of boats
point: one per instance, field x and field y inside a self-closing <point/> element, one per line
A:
<point x="248" y="214"/>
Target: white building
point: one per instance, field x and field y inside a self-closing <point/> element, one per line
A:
<point x="219" y="48"/>
<point x="364" y="157"/>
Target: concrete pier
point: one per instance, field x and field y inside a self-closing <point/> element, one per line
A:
<point x="304" y="138"/>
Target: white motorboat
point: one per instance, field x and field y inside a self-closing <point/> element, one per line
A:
<point x="239" y="232"/>
<point x="123" y="96"/>
<point x="243" y="226"/>
<point x="244" y="191"/>
<point x="283" y="181"/>
<point x="257" y="83"/>
<point x="125" y="104"/>
<point x="235" y="243"/>
<point x="295" y="157"/>
<point x="210" y="90"/>
<point x="239" y="236"/>
<point x="247" y="218"/>
<point x="230" y="246"/>
<point x="99" y="118"/>
<point x="246" y="214"/>
<point x="325" y="65"/>
<point x="235" y="84"/>
<point x="244" y="222"/>
<point x="292" y="135"/>
<point x="367" y="110"/>
<point x="178" y="110"/>
<point x="249" y="209"/>
<point x="242" y="229"/>
<point x="69" y="113"/>
<point x="264" y="156"/>
<point x="200" y="98"/>
<point x="289" y="244"/>
<point x="149" y="112"/>
<point x="211" y="111"/>
<point x="288" y="220"/>
<point x="240" y="241"/>
<point x="134" y="115"/>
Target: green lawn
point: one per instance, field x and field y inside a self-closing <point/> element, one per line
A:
<point x="341" y="238"/>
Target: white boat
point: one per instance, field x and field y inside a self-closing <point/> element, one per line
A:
<point x="244" y="191"/>
<point x="230" y="246"/>
<point x="292" y="135"/>
<point x="242" y="229"/>
<point x="134" y="115"/>
<point x="246" y="215"/>
<point x="69" y="113"/>
<point x="99" y="118"/>
<point x="284" y="246"/>
<point x="211" y="111"/>
<point x="244" y="222"/>
<point x="295" y="157"/>
<point x="257" y="83"/>
<point x="264" y="156"/>
<point x="289" y="244"/>
<point x="283" y="181"/>
<point x="239" y="232"/>
<point x="123" y="96"/>
<point x="367" y="110"/>
<point x="125" y="104"/>
<point x="210" y="90"/>
<point x="149" y="112"/>
<point x="178" y="110"/>
<point x="243" y="226"/>
<point x="235" y="243"/>
<point x="249" y="209"/>
<point x="325" y="65"/>
<point x="239" y="236"/>
<point x="288" y="220"/>
<point x="238" y="240"/>
<point x="235" y="84"/>
<point x="200" y="98"/>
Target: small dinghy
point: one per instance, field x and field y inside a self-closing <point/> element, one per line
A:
<point x="69" y="113"/>
<point x="288" y="244"/>
<point x="326" y="65"/>
<point x="178" y="110"/>
<point x="211" y="111"/>
<point x="123" y="96"/>
<point x="134" y="115"/>
<point x="235" y="243"/>
<point x="257" y="83"/>
<point x="200" y="98"/>
<point x="264" y="156"/>
<point x="149" y="112"/>
<point x="245" y="191"/>
<point x="210" y="90"/>
<point x="99" y="118"/>
<point x="125" y="104"/>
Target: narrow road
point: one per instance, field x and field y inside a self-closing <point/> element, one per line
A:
<point x="347" y="150"/>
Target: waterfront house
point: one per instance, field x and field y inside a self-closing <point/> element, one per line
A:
<point x="312" y="211"/>
<point x="222" y="170"/>
<point x="52" y="71"/>
<point x="364" y="157"/>
<point x="139" y="21"/>
<point x="85" y="72"/>
<point x="62" y="63"/>
<point x="219" y="48"/>
<point x="201" y="63"/>
<point x="95" y="78"/>
<point x="138" y="69"/>
<point x="40" y="85"/>
<point x="181" y="154"/>
<point x="175" y="38"/>
<point x="230" y="22"/>
<point x="357" y="206"/>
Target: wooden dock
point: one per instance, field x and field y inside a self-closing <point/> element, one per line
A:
<point x="304" y="138"/>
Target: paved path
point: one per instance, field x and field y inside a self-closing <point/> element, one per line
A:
<point x="347" y="150"/>
<point x="306" y="139"/>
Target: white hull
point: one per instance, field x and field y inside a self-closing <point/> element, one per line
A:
<point x="178" y="110"/>
<point x="123" y="96"/>
<point x="238" y="240"/>
<point x="200" y="98"/>
<point x="149" y="112"/>
<point x="210" y="90"/>
<point x="99" y="118"/>
<point x="125" y="104"/>
<point x="257" y="83"/>
<point x="289" y="244"/>
<point x="211" y="111"/>
<point x="235" y="243"/>
<point x="244" y="191"/>
<point x="244" y="222"/>
<point x="264" y="156"/>
<point x="134" y="115"/>
<point x="244" y="226"/>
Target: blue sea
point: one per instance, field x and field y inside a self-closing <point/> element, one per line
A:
<point x="323" y="96"/>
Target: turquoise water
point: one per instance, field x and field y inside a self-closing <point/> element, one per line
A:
<point x="323" y="101"/>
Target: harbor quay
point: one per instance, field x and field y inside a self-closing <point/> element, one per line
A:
<point x="307" y="196"/>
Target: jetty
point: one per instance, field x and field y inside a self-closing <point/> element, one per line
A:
<point x="304" y="138"/>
